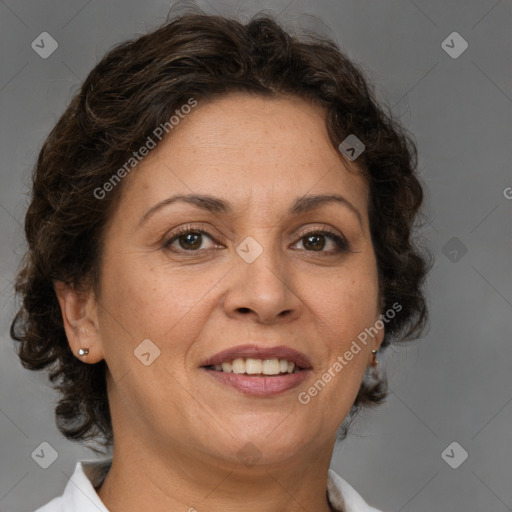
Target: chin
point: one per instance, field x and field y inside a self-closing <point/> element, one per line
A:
<point x="265" y="443"/>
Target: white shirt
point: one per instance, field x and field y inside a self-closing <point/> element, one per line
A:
<point x="80" y="495"/>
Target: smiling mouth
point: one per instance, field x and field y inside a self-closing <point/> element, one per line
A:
<point x="256" y="367"/>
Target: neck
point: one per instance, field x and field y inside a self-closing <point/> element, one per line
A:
<point x="151" y="481"/>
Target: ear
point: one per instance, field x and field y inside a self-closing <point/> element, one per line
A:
<point x="80" y="318"/>
<point x="378" y="338"/>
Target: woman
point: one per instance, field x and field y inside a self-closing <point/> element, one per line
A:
<point x="219" y="249"/>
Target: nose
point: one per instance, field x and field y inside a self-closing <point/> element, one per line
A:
<point x="263" y="290"/>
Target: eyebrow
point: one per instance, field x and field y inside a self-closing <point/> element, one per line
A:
<point x="216" y="205"/>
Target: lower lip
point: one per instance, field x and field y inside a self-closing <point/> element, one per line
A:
<point x="260" y="386"/>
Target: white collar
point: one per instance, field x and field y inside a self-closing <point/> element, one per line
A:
<point x="80" y="494"/>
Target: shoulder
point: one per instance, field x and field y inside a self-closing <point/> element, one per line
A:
<point x="56" y="505"/>
<point x="80" y="492"/>
<point x="344" y="497"/>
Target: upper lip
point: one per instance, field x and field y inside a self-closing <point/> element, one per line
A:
<point x="259" y="352"/>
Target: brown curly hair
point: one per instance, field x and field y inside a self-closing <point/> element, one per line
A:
<point x="136" y="87"/>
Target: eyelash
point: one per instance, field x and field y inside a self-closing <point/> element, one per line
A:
<point x="340" y="242"/>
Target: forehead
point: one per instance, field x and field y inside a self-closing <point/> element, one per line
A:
<point x="247" y="149"/>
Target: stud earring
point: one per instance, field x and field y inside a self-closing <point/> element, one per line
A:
<point x="375" y="361"/>
<point x="83" y="351"/>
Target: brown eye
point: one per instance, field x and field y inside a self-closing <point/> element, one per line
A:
<point x="316" y="241"/>
<point x="189" y="239"/>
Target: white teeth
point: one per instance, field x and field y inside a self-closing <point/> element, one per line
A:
<point x="271" y="367"/>
<point x="252" y="366"/>
<point x="227" y="367"/>
<point x="238" y="366"/>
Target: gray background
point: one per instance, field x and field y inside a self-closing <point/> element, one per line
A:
<point x="455" y="384"/>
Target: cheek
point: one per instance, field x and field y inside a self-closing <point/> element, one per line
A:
<point x="342" y="312"/>
<point x="346" y="302"/>
<point x="166" y="306"/>
<point x="159" y="303"/>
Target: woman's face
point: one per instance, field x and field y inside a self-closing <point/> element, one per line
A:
<point x="265" y="275"/>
